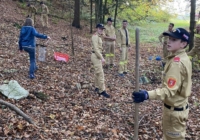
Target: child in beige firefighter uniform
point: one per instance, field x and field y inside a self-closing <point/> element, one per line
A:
<point x="110" y="38"/>
<point x="176" y="87"/>
<point x="196" y="49"/>
<point x="163" y="40"/>
<point x="32" y="12"/>
<point x="97" y="60"/>
<point x="44" y="15"/>
<point x="123" y="42"/>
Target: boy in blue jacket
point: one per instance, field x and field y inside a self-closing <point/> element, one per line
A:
<point x="27" y="43"/>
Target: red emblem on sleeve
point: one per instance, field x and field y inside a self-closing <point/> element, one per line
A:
<point x="176" y="59"/>
<point x="171" y="82"/>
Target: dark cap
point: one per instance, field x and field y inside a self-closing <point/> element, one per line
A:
<point x="100" y="26"/>
<point x="110" y="19"/>
<point x="28" y="5"/>
<point x="125" y="21"/>
<point x="41" y="2"/>
<point x="179" y="33"/>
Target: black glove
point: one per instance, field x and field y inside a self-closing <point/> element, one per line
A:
<point x="140" y="96"/>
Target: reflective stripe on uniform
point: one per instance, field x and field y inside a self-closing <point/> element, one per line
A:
<point x="197" y="35"/>
<point x="112" y="55"/>
<point x="125" y="62"/>
<point x="107" y="55"/>
<point x="121" y="62"/>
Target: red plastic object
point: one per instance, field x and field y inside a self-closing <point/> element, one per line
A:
<point x="61" y="56"/>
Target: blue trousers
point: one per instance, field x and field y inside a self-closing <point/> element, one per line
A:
<point x="31" y="51"/>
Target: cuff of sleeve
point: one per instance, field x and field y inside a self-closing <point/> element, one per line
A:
<point x="152" y="94"/>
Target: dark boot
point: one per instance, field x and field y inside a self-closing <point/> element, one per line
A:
<point x="106" y="95"/>
<point x="125" y="72"/>
<point x="96" y="90"/>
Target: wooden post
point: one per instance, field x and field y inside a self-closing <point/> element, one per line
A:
<point x="136" y="125"/>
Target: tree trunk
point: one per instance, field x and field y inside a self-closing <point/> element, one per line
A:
<point x="117" y="2"/>
<point x="76" y="21"/>
<point x="104" y="10"/>
<point x="97" y="11"/>
<point x="71" y="32"/>
<point x="90" y="16"/>
<point x="192" y="23"/>
<point x="100" y="11"/>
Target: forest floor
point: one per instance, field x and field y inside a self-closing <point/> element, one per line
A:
<point x="70" y="112"/>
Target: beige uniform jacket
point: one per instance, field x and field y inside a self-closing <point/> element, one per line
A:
<point x="177" y="82"/>
<point x="45" y="9"/>
<point x="97" y="45"/>
<point x="196" y="39"/>
<point x="165" y="38"/>
<point x="32" y="9"/>
<point x="109" y="32"/>
<point x="121" y="37"/>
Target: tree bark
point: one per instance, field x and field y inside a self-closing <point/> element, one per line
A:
<point x="71" y="33"/>
<point x="90" y="16"/>
<point x="117" y="2"/>
<point x="192" y="23"/>
<point x="104" y="10"/>
<point x="17" y="110"/>
<point x="97" y="11"/>
<point x="76" y="21"/>
<point x="100" y="11"/>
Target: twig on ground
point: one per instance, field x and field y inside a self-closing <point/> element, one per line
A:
<point x="18" y="111"/>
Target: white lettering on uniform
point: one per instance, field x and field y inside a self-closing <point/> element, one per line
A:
<point x="173" y="134"/>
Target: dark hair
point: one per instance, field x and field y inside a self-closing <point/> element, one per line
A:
<point x="171" y="24"/>
<point x="41" y="2"/>
<point x="28" y="22"/>
<point x="125" y="21"/>
<point x="184" y="41"/>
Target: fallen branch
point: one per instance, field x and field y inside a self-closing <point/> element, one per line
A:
<point x="17" y="110"/>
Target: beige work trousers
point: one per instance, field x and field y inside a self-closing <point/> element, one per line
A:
<point x="44" y="20"/>
<point x="174" y="124"/>
<point x="99" y="81"/>
<point x="33" y="15"/>
<point x="110" y="52"/>
<point x="123" y="59"/>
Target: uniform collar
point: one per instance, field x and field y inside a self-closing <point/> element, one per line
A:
<point x="176" y="53"/>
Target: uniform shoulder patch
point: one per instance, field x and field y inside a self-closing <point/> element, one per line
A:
<point x="171" y="82"/>
<point x="177" y="59"/>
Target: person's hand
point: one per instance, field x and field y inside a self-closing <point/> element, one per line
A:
<point x="120" y="49"/>
<point x="103" y="60"/>
<point x="48" y="37"/>
<point x="140" y="96"/>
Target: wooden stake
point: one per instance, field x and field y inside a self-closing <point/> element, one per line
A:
<point x="136" y="125"/>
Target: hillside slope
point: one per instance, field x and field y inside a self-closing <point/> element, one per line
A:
<point x="71" y="112"/>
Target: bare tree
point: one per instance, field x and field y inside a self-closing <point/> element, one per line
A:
<point x="192" y="23"/>
<point x="76" y="21"/>
<point x="116" y="7"/>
